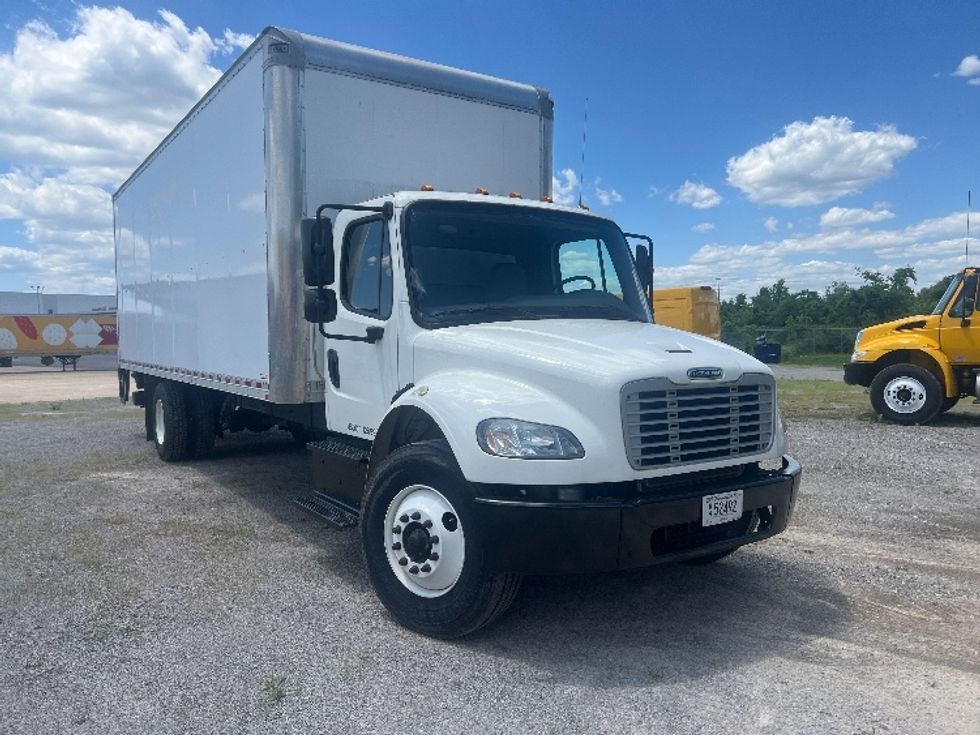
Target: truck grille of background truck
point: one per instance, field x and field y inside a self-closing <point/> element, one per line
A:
<point x="666" y="424"/>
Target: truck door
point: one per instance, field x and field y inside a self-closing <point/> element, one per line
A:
<point x="361" y="376"/>
<point x="959" y="333"/>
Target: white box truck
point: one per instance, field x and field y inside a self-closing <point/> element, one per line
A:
<point x="478" y="375"/>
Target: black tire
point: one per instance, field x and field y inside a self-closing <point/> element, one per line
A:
<point x="479" y="595"/>
<point x="948" y="403"/>
<point x="171" y="422"/>
<point x="700" y="561"/>
<point x="906" y="394"/>
<point x="203" y="422"/>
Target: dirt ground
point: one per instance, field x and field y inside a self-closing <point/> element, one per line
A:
<point x="138" y="596"/>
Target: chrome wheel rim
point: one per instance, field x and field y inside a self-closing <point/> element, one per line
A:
<point x="424" y="541"/>
<point x="905" y="395"/>
<point x="158" y="424"/>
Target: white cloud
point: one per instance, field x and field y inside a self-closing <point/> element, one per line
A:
<point x="970" y="68"/>
<point x="815" y="162"/>
<point x="771" y="224"/>
<point x="934" y="247"/>
<point x="698" y="196"/>
<point x="703" y="227"/>
<point x="565" y="187"/>
<point x="848" y="217"/>
<point x="79" y="113"/>
<point x="607" y="196"/>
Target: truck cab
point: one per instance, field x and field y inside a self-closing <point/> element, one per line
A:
<point x="920" y="366"/>
<point x="496" y="362"/>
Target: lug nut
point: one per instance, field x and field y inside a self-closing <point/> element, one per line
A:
<point x="403" y="518"/>
<point x="396" y="530"/>
<point x="433" y="556"/>
<point x="396" y="546"/>
<point x="403" y="561"/>
<point x="415" y="516"/>
<point x="427" y="523"/>
<point x="426" y="568"/>
<point x="433" y="540"/>
<point x="413" y="569"/>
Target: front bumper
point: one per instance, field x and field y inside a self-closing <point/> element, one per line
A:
<point x="639" y="529"/>
<point x="859" y="373"/>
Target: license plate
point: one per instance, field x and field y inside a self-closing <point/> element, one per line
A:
<point x="721" y="508"/>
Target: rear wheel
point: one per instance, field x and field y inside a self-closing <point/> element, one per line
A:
<point x="425" y="553"/>
<point x="203" y="422"/>
<point x="906" y="394"/>
<point x="171" y="425"/>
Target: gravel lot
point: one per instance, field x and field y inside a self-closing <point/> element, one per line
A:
<point x="142" y="597"/>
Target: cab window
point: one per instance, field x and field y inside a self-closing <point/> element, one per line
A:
<point x="366" y="270"/>
<point x="966" y="302"/>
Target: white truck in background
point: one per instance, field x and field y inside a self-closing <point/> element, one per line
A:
<point x="479" y="399"/>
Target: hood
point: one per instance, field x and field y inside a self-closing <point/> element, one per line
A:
<point x="897" y="326"/>
<point x="585" y="350"/>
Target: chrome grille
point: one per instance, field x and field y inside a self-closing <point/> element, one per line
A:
<point x="667" y="424"/>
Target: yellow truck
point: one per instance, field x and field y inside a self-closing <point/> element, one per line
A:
<point x="920" y="366"/>
<point x="62" y="337"/>
<point x="691" y="308"/>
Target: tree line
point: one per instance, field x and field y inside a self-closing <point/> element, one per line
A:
<point x="803" y="318"/>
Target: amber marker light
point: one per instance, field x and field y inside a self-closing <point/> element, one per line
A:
<point x="427" y="187"/>
<point x="481" y="190"/>
<point x="516" y="195"/>
<point x="547" y="199"/>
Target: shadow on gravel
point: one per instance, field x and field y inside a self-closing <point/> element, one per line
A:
<point x="665" y="624"/>
<point x="269" y="471"/>
<point x="662" y="624"/>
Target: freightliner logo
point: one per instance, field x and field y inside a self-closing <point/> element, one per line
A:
<point x="704" y="373"/>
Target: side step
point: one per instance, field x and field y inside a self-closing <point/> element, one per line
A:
<point x="339" y="473"/>
<point x="335" y="512"/>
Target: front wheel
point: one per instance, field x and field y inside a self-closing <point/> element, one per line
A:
<point x="425" y="553"/>
<point x="907" y="394"/>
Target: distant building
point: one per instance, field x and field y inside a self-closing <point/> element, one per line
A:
<point x="16" y="302"/>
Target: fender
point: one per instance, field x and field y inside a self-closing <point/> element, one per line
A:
<point x="879" y="349"/>
<point x="457" y="401"/>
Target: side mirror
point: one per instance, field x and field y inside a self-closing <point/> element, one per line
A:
<point x="644" y="266"/>
<point x="320" y="306"/>
<point x="318" y="254"/>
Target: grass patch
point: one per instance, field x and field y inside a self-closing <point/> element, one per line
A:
<point x="829" y="359"/>
<point x="823" y="399"/>
<point x="275" y="688"/>
<point x="47" y="409"/>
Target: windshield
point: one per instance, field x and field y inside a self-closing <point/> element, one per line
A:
<point x="470" y="263"/>
<point x="950" y="290"/>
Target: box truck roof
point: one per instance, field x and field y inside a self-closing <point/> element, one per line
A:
<point x="300" y="50"/>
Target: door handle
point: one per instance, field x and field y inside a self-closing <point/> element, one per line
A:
<point x="333" y="368"/>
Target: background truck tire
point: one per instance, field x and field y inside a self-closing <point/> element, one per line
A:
<point x="948" y="403"/>
<point x="203" y="422"/>
<point x="478" y="596"/>
<point x="171" y="422"/>
<point x="907" y="394"/>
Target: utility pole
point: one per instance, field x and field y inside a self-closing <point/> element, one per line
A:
<point x="718" y="289"/>
<point x="37" y="290"/>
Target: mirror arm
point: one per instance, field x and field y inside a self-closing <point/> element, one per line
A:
<point x="373" y="334"/>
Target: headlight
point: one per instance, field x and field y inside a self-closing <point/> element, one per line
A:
<point x="524" y="440"/>
<point x="857" y="339"/>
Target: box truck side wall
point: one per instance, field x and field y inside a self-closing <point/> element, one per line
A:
<point x="191" y="245"/>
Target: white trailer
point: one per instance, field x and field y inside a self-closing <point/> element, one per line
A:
<point x="480" y="375"/>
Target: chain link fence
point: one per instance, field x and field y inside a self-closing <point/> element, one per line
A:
<point x="794" y="344"/>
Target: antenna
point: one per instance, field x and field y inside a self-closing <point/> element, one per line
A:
<point x="966" y="245"/>
<point x="585" y="129"/>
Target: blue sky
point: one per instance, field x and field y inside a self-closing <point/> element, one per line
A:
<point x="752" y="140"/>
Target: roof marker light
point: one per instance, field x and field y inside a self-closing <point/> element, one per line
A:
<point x="516" y="195"/>
<point x="481" y="190"/>
<point x="427" y="187"/>
<point x="547" y="198"/>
